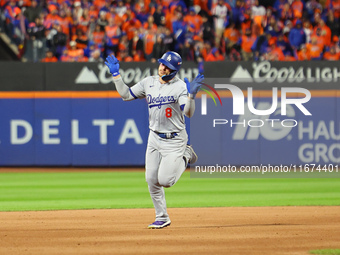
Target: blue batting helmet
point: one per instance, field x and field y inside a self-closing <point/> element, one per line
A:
<point x="172" y="60"/>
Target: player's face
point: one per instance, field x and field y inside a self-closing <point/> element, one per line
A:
<point x="163" y="70"/>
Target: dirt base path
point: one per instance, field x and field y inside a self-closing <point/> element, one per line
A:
<point x="240" y="230"/>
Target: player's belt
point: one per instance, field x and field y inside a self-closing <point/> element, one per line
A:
<point x="167" y="135"/>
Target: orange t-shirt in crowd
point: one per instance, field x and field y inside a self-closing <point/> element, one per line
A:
<point x="232" y="34"/>
<point x="52" y="59"/>
<point x="195" y="20"/>
<point x="315" y="51"/>
<point x="153" y="26"/>
<point x="330" y="56"/>
<point x="98" y="37"/>
<point x="247" y="42"/>
<point x="150" y="40"/>
<point x="111" y="32"/>
<point x="303" y="55"/>
<point x="51" y="19"/>
<point x="327" y="37"/>
<point x="65" y="24"/>
<point x="277" y="54"/>
<point x="245" y="26"/>
<point x="74" y="55"/>
<point x="169" y="18"/>
<point x="297" y="8"/>
<point x="130" y="27"/>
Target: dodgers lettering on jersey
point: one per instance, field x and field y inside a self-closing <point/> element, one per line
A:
<point x="159" y="101"/>
<point x="164" y="102"/>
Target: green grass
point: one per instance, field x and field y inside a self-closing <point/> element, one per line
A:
<point x="326" y="252"/>
<point x="87" y="190"/>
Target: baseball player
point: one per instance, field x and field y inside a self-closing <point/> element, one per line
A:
<point x="167" y="154"/>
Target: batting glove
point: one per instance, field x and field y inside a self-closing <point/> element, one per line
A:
<point x="194" y="86"/>
<point x="113" y="64"/>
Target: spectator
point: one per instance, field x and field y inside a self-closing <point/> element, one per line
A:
<point x="194" y="20"/>
<point x="130" y="26"/>
<point x="278" y="7"/>
<point x="231" y="36"/>
<point x="207" y="30"/>
<point x="325" y="32"/>
<point x="95" y="56"/>
<point x="65" y="22"/>
<point x="52" y="17"/>
<point x="234" y="54"/>
<point x="59" y="41"/>
<point x="159" y="16"/>
<point x="334" y="6"/>
<point x="274" y="53"/>
<point x="37" y="29"/>
<point x="303" y="54"/>
<point x="220" y="13"/>
<point x="169" y="41"/>
<point x="49" y="57"/>
<point x="158" y="49"/>
<point x="149" y="41"/>
<point x="308" y="29"/>
<point x="333" y="23"/>
<point x="261" y="46"/>
<point x="297" y="36"/>
<point x="113" y="34"/>
<point x="188" y="53"/>
<point x="80" y="38"/>
<point x="102" y="22"/>
<point x="297" y="8"/>
<point x="74" y="54"/>
<point x="246" y="41"/>
<point x="33" y="12"/>
<point x="136" y="44"/>
<point x="312" y="7"/>
<point x="98" y="36"/>
<point x="331" y="55"/>
<point x="314" y="49"/>
<point x="286" y="13"/>
<point x="214" y="55"/>
<point x="179" y="29"/>
<point x="15" y="23"/>
<point x="258" y="13"/>
<point x="238" y="12"/>
<point x="150" y="24"/>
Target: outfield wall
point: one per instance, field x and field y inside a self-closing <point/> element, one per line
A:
<point x="68" y="114"/>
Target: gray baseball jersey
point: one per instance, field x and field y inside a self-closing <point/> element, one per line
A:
<point x="165" y="102"/>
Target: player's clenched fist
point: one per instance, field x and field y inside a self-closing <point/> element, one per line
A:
<point x="113" y="64"/>
<point x="195" y="85"/>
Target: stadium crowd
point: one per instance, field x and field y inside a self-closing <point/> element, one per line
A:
<point x="200" y="30"/>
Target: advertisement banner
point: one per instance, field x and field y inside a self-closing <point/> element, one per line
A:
<point x="73" y="131"/>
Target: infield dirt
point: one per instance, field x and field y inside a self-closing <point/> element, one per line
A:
<point x="227" y="230"/>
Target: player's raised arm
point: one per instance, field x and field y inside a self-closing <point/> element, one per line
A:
<point x="193" y="87"/>
<point x="123" y="90"/>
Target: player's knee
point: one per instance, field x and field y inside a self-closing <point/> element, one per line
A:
<point x="151" y="181"/>
<point x="166" y="182"/>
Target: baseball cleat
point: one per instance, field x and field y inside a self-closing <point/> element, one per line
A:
<point x="159" y="224"/>
<point x="194" y="156"/>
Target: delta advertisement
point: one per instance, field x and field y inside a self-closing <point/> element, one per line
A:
<point x="103" y="131"/>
